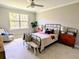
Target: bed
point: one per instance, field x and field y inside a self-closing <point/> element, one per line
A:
<point x="43" y="39"/>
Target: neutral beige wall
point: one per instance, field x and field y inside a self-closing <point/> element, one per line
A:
<point x="66" y="16"/>
<point x="4" y="20"/>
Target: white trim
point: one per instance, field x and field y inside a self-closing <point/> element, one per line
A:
<point x="62" y="5"/>
<point x="11" y="7"/>
<point x="77" y="46"/>
<point x="58" y="6"/>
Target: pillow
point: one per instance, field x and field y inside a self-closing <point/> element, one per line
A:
<point x="47" y="31"/>
<point x="39" y="29"/>
<point x="52" y="31"/>
<point x="5" y="33"/>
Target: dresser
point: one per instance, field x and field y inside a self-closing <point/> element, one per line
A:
<point x="2" y="52"/>
<point x="68" y="37"/>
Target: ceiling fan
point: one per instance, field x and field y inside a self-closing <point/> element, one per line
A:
<point x="33" y="4"/>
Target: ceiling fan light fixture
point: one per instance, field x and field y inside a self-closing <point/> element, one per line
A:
<point x="32" y="4"/>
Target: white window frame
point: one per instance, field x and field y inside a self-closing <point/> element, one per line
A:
<point x="20" y="18"/>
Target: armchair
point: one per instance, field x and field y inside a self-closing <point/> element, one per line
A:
<point x="5" y="35"/>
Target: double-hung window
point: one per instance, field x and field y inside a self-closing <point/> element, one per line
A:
<point x="18" y="21"/>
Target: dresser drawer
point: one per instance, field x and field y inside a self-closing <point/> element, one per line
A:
<point x="2" y="55"/>
<point x="2" y="52"/>
<point x="67" y="39"/>
<point x="1" y="44"/>
<point x="1" y="47"/>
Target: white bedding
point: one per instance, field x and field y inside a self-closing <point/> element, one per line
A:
<point x="45" y="39"/>
<point x="41" y="35"/>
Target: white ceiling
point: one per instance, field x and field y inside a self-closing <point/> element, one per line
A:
<point x="48" y="4"/>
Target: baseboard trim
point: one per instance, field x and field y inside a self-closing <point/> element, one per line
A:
<point x="77" y="46"/>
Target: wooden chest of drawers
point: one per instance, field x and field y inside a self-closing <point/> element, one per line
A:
<point x="2" y="52"/>
<point x="67" y="39"/>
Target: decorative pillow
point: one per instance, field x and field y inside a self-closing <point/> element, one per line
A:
<point x="52" y="31"/>
<point x="5" y="33"/>
<point x="39" y="29"/>
<point x="47" y="31"/>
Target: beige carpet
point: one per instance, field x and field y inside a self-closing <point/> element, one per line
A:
<point x="16" y="50"/>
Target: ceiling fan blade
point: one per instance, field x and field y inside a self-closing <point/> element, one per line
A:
<point x="38" y="5"/>
<point x="28" y="6"/>
<point x="32" y="4"/>
<point x="30" y="0"/>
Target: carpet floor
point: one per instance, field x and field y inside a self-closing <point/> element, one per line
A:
<point x="16" y="50"/>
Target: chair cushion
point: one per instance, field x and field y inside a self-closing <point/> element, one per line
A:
<point x="32" y="44"/>
<point x="2" y="31"/>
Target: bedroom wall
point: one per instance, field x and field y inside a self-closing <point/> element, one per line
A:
<point x="4" y="20"/>
<point x="66" y="16"/>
